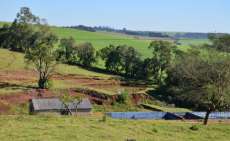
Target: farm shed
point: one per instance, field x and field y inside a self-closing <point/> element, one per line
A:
<point x="56" y="106"/>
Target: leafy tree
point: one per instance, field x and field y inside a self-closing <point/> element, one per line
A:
<point x="162" y="56"/>
<point x="123" y="97"/>
<point x="67" y="51"/>
<point x="204" y="82"/>
<point x="146" y="68"/>
<point x="4" y="34"/>
<point x="25" y="16"/>
<point x="41" y="54"/>
<point x="17" y="36"/>
<point x="122" y="59"/>
<point x="86" y="54"/>
<point x="112" y="58"/>
<point x="220" y="42"/>
<point x="130" y="60"/>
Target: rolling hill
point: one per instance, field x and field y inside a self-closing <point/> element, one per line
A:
<point x="103" y="39"/>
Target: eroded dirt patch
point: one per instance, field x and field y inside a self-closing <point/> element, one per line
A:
<point x="21" y="75"/>
<point x="24" y="82"/>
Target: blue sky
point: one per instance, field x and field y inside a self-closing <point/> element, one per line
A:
<point x="154" y="15"/>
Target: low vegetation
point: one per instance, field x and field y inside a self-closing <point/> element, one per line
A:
<point x="93" y="128"/>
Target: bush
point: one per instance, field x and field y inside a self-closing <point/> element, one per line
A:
<point x="194" y="128"/>
<point x="104" y="118"/>
<point x="49" y="84"/>
<point x="123" y="97"/>
<point x="154" y="130"/>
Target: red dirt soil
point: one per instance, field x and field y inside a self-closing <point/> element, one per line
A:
<point x="28" y="77"/>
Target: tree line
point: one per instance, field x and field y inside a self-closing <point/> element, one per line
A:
<point x="31" y="35"/>
<point x="198" y="78"/>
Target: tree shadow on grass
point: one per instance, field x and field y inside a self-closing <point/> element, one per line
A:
<point x="12" y="86"/>
<point x="161" y="94"/>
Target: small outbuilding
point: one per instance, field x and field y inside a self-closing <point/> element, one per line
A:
<point x="56" y="106"/>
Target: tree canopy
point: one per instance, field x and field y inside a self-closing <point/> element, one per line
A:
<point x="202" y="82"/>
<point x="161" y="60"/>
<point x="67" y="51"/>
<point x="86" y="54"/>
<point x="42" y="55"/>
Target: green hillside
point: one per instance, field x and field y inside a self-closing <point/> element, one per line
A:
<point x="12" y="61"/>
<point x="103" y="39"/>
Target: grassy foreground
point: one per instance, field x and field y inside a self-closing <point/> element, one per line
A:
<point x="48" y="128"/>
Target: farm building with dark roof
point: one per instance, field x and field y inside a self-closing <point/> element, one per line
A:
<point x="55" y="105"/>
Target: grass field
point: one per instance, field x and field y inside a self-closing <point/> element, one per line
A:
<point x="48" y="128"/>
<point x="188" y="42"/>
<point x="11" y="61"/>
<point x="103" y="39"/>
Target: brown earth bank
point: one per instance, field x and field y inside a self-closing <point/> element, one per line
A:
<point x="20" y="98"/>
<point x="10" y="78"/>
<point x="25" y="81"/>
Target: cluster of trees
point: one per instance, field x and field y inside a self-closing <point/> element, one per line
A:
<point x="120" y="59"/>
<point x="125" y="59"/>
<point x="70" y="53"/>
<point x="83" y="27"/>
<point x="31" y="35"/>
<point x="202" y="80"/>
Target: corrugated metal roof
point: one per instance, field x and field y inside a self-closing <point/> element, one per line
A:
<point x="84" y="104"/>
<point x="57" y="104"/>
<point x="47" y="104"/>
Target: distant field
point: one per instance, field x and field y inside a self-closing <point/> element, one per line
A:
<point x="188" y="42"/>
<point x="48" y="128"/>
<point x="102" y="39"/>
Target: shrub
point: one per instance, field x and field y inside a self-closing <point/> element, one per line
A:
<point x="104" y="118"/>
<point x="49" y="84"/>
<point x="194" y="128"/>
<point x="123" y="97"/>
<point x="154" y="130"/>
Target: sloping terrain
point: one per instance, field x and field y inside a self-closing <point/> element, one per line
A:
<point x="17" y="78"/>
<point x="18" y="83"/>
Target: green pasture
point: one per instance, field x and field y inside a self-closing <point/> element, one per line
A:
<point x="55" y="128"/>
